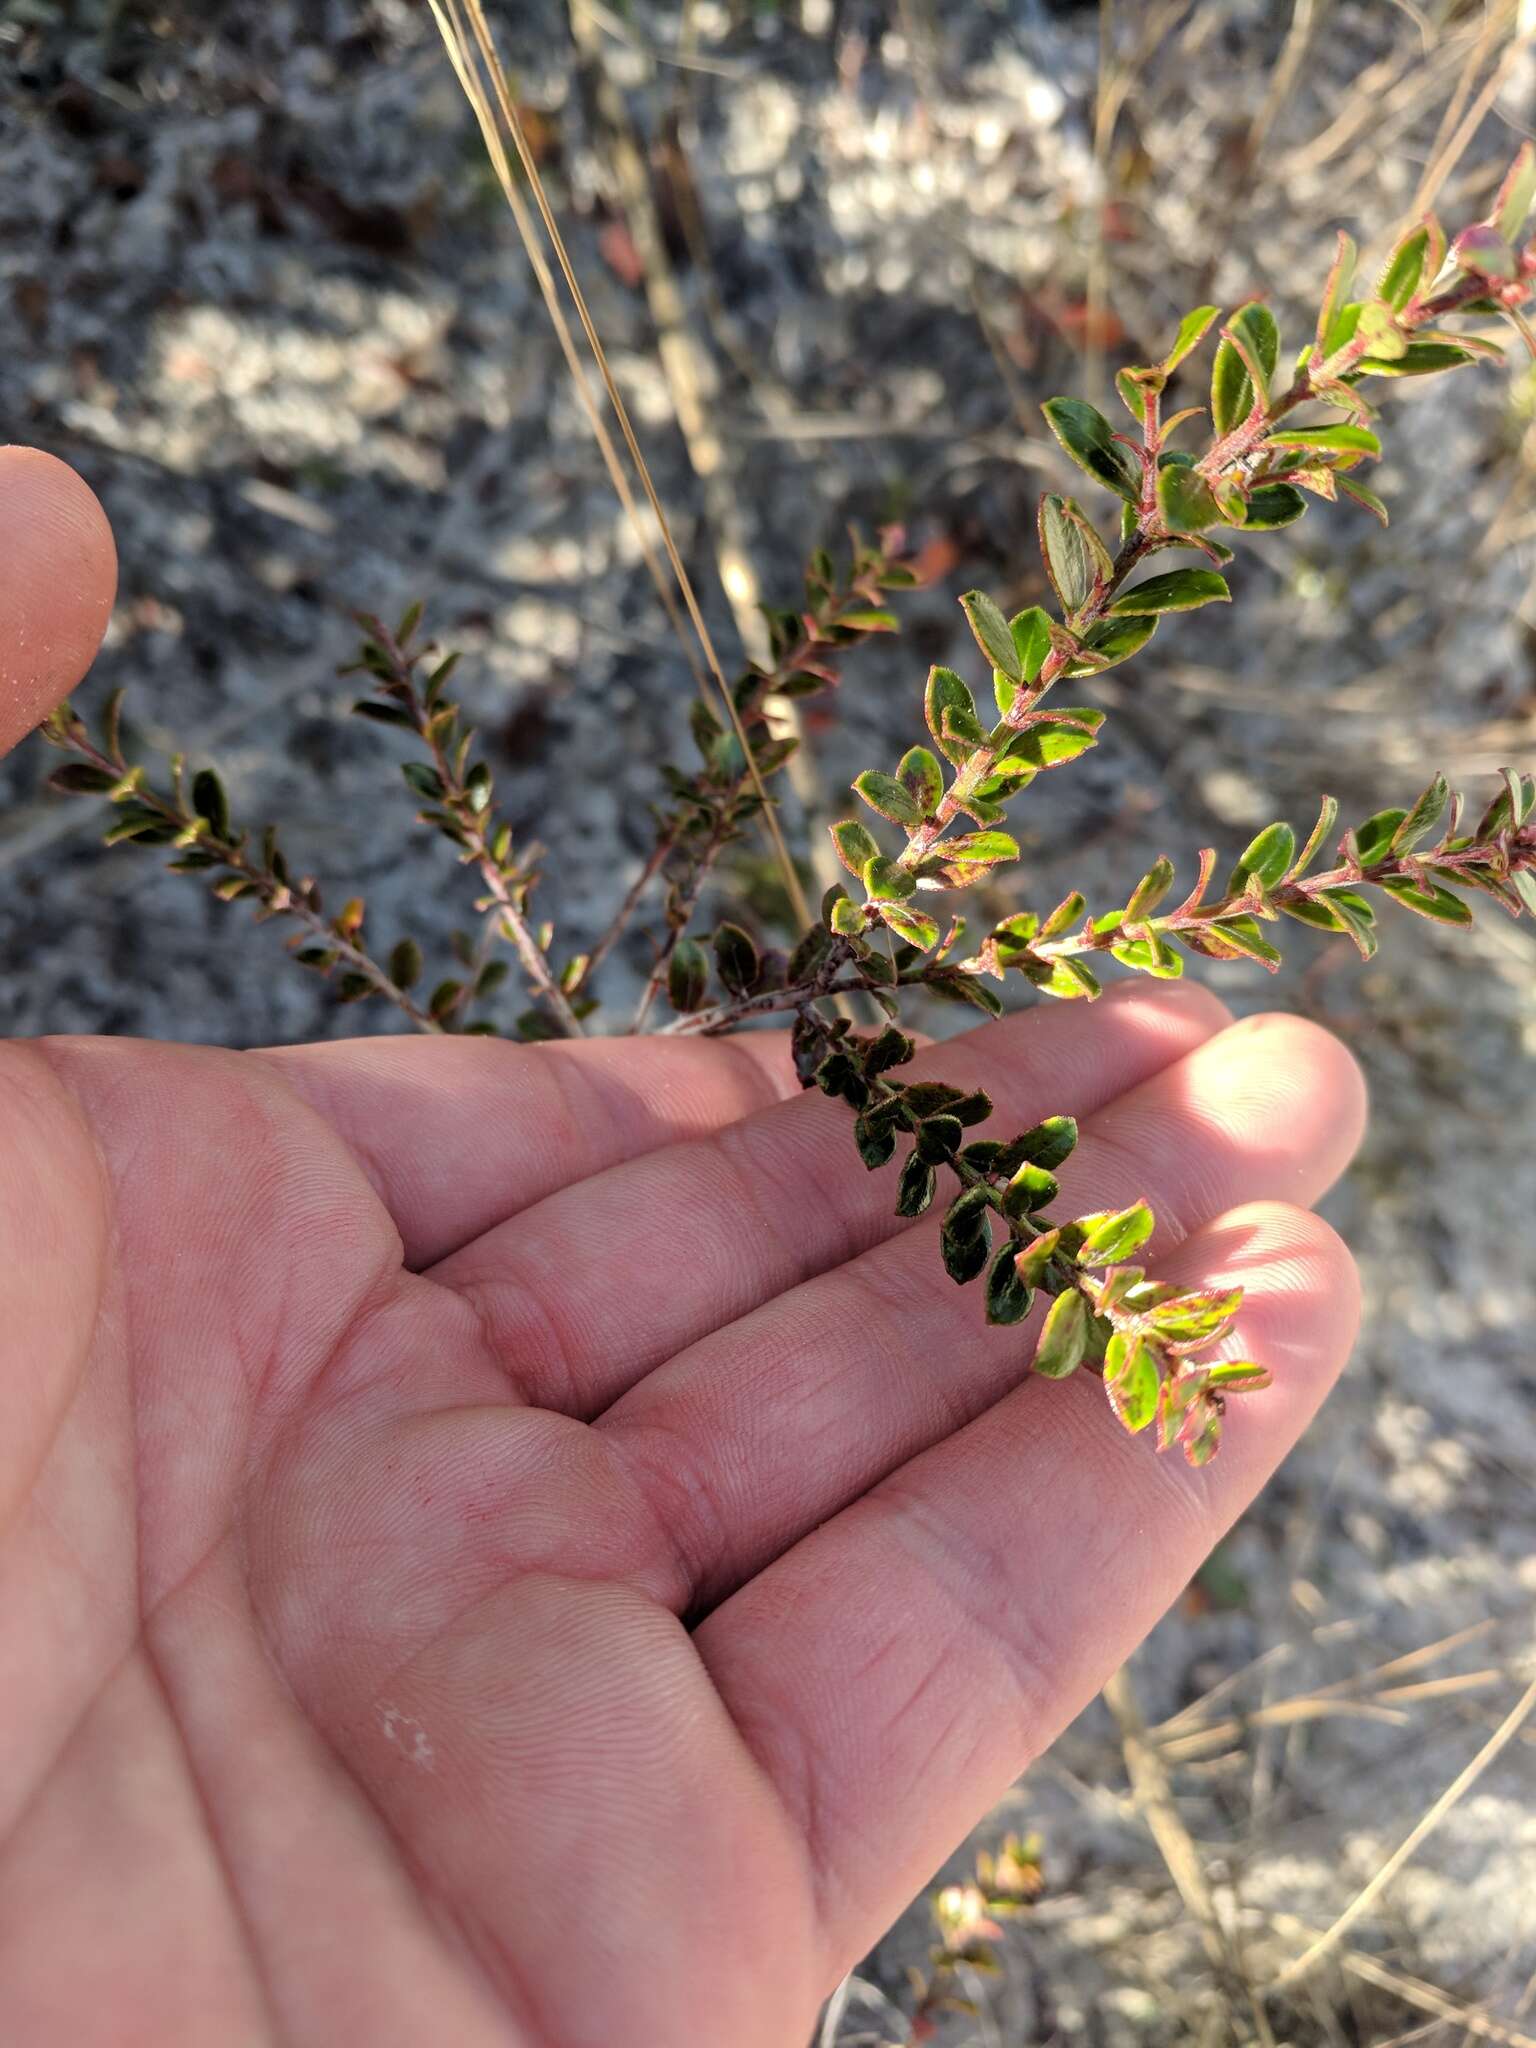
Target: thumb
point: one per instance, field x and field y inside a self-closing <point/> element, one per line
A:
<point x="58" y="576"/>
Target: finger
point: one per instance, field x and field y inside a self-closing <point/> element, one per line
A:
<point x="53" y="1247"/>
<point x="58" y="576"/>
<point x="898" y="1669"/>
<point x="655" y="1255"/>
<point x="458" y="1134"/>
<point x="753" y="1436"/>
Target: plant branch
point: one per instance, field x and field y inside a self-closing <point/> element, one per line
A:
<point x="464" y="794"/>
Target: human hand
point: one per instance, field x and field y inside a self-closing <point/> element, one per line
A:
<point x="514" y="1545"/>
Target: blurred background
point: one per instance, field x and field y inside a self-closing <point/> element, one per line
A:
<point x="258" y="283"/>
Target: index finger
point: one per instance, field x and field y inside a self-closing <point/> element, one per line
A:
<point x="58" y="577"/>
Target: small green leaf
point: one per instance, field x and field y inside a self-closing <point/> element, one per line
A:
<point x="1242" y="935"/>
<point x="1271" y="506"/>
<point x="1177" y="590"/>
<point x="875" y="1138"/>
<point x="856" y="846"/>
<point x="966" y="1238"/>
<point x="1089" y="439"/>
<point x="1064" y="916"/>
<point x="952" y="716"/>
<point x="1048" y="745"/>
<point x="1423" y="818"/>
<point x="1131" y="1380"/>
<point x="405" y="961"/>
<point x="912" y="925"/>
<point x="1403" y="269"/>
<point x="1064" y="1340"/>
<point x="1238" y="1376"/>
<point x="886" y="881"/>
<point x="1364" y="497"/>
<point x="1269" y="856"/>
<point x="1111" y="1235"/>
<point x="80" y="778"/>
<point x="847" y="918"/>
<point x="1009" y="1300"/>
<point x="737" y="960"/>
<point x="883" y="793"/>
<point x="991" y="630"/>
<point x="1185" y="499"/>
<point x="1336" y="291"/>
<point x="1355" y="915"/>
<point x="1046" y="1144"/>
<point x="918" y="1183"/>
<point x="1327" y="818"/>
<point x="1067" y="978"/>
<point x="1112" y="641"/>
<point x="1034" y="1260"/>
<point x="1373" y="839"/>
<point x="687" y="975"/>
<point x="1150" y="890"/>
<point x="1193" y="329"/>
<point x="921" y="776"/>
<point x="1434" y="902"/>
<point x="1419" y="359"/>
<point x="1342" y="439"/>
<point x="1031" y="634"/>
<point x="986" y="848"/>
<point x="1516" y="194"/>
<point x="1075" y="557"/>
<point x="1232" y="392"/>
<point x="1031" y="1189"/>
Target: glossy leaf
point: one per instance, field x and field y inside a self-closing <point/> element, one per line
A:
<point x="914" y="926"/>
<point x="1074" y="555"/>
<point x="687" y="975"/>
<point x="1423" y="818"/>
<point x="1232" y="390"/>
<point x="1176" y="590"/>
<point x="1064" y="1340"/>
<point x="1009" y="1299"/>
<point x="1273" y="505"/>
<point x="1404" y="269"/>
<point x="921" y="776"/>
<point x="1132" y="1380"/>
<point x="1339" y="439"/>
<point x="1193" y="329"/>
<point x="992" y="632"/>
<point x="952" y="716"/>
<point x="856" y="845"/>
<point x="1185" y="499"/>
<point x="965" y="1241"/>
<point x="883" y="793"/>
<point x="1111" y="1235"/>
<point x="1088" y="438"/>
<point x="1269" y="856"/>
<point x="737" y="961"/>
<point x="918" y="1183"/>
<point x="1030" y="631"/>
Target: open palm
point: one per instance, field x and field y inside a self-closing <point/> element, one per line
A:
<point x="519" y="1545"/>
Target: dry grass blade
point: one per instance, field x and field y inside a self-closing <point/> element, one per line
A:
<point x="1154" y="1796"/>
<point x="448" y="10"/>
<point x="1451" y="143"/>
<point x="693" y="388"/>
<point x="451" y="30"/>
<point x="1505" y="1733"/>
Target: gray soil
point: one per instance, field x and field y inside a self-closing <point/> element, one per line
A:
<point x="256" y="283"/>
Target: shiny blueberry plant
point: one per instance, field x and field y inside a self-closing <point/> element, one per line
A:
<point x="935" y="826"/>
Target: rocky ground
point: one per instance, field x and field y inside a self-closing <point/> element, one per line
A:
<point x="256" y="282"/>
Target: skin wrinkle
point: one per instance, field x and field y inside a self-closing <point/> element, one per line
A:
<point x="239" y="1911"/>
